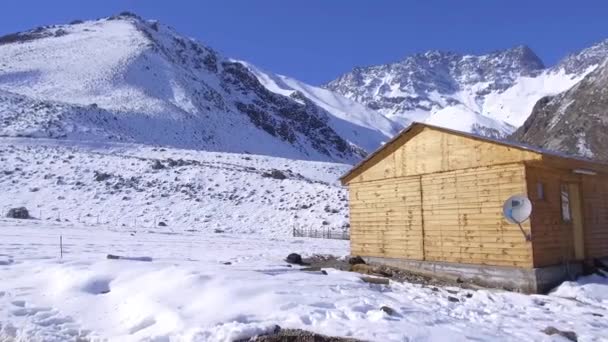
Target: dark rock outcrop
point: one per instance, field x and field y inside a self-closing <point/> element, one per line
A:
<point x="294" y="258"/>
<point x="574" y="122"/>
<point x="19" y="213"/>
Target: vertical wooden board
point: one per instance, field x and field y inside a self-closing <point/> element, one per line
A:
<point x="578" y="237"/>
<point x="595" y="215"/>
<point x="552" y="237"/>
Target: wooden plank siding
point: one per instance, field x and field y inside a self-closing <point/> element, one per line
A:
<point x="552" y="236"/>
<point x="437" y="195"/>
<point x="595" y="215"/>
<point x="453" y="216"/>
<point x="463" y="220"/>
<point x="386" y="218"/>
<point x="427" y="150"/>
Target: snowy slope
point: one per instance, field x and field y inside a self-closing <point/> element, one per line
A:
<point x="126" y="79"/>
<point x="116" y="184"/>
<point x="208" y="287"/>
<point x="493" y="94"/>
<point x="352" y="120"/>
<point x="573" y="122"/>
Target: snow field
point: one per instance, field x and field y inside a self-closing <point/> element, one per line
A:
<point x="189" y="292"/>
<point x="80" y="183"/>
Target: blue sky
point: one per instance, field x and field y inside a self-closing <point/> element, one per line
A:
<point x="317" y="40"/>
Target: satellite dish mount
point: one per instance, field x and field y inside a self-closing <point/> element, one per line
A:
<point x="517" y="210"/>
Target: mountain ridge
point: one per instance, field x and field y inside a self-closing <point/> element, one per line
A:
<point x="493" y="92"/>
<point x="574" y="121"/>
<point x="160" y="88"/>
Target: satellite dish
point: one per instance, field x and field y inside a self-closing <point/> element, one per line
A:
<point x="517" y="210"/>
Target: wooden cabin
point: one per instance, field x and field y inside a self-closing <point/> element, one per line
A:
<point x="431" y="199"/>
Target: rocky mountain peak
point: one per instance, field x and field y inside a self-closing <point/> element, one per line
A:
<point x="583" y="60"/>
<point x="152" y="85"/>
<point x="425" y="83"/>
<point x="575" y="121"/>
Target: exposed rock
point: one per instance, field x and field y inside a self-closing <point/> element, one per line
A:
<point x="162" y="224"/>
<point x="453" y="299"/>
<point x="570" y="335"/>
<point x="101" y="176"/>
<point x="297" y="335"/>
<point x="356" y="260"/>
<point x="157" y="165"/>
<point x="18" y="213"/>
<point x="388" y="310"/>
<point x="294" y="258"/>
<point x="574" y="122"/>
<point x="275" y="174"/>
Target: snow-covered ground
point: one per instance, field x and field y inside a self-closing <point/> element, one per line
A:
<point x="110" y="183"/>
<point x="188" y="292"/>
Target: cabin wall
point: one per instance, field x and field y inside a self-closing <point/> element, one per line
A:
<point x="552" y="236"/>
<point x="595" y="215"/>
<point x="453" y="216"/>
<point x="386" y="218"/>
<point x="428" y="151"/>
<point x="463" y="218"/>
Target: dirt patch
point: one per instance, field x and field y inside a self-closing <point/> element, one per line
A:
<point x="392" y="273"/>
<point x="297" y="335"/>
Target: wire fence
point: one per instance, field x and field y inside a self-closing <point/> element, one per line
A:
<point x="321" y="233"/>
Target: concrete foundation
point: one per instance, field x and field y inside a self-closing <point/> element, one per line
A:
<point x="528" y="280"/>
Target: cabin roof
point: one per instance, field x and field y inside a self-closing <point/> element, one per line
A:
<point x="412" y="128"/>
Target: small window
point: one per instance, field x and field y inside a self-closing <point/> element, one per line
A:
<point x="565" y="197"/>
<point x="540" y="191"/>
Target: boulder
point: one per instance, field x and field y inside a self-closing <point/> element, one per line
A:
<point x="101" y="176"/>
<point x="19" y="213"/>
<point x="162" y="224"/>
<point x="571" y="335"/>
<point x="388" y="310"/>
<point x="295" y="335"/>
<point x="157" y="165"/>
<point x="356" y="260"/>
<point x="294" y="258"/>
<point x="275" y="174"/>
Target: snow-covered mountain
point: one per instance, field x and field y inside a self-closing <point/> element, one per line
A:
<point x="490" y="94"/>
<point x="575" y="121"/>
<point x="126" y="79"/>
<point x="352" y="120"/>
